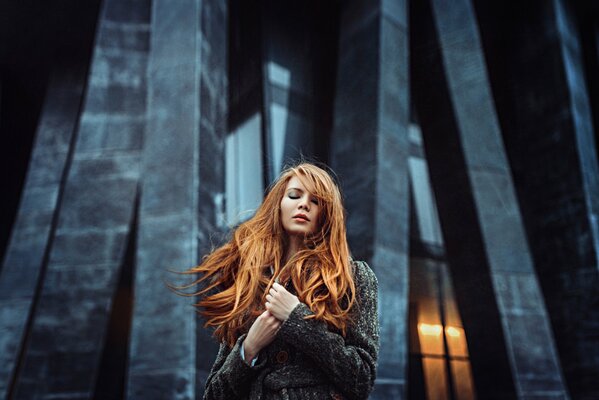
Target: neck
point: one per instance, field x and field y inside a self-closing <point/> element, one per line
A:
<point x="294" y="245"/>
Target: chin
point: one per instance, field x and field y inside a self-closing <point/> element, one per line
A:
<point x="299" y="232"/>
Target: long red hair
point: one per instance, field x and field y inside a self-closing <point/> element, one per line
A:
<point x="235" y="278"/>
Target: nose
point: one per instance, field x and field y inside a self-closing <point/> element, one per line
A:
<point x="304" y="204"/>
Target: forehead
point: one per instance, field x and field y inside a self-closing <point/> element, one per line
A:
<point x="295" y="182"/>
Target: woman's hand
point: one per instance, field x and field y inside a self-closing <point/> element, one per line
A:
<point x="261" y="334"/>
<point x="280" y="302"/>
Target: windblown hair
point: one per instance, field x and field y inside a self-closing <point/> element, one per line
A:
<point x="235" y="278"/>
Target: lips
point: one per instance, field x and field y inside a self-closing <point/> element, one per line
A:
<point x="301" y="216"/>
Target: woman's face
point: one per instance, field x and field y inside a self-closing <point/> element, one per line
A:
<point x="299" y="209"/>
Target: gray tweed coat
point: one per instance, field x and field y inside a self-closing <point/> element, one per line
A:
<point x="306" y="360"/>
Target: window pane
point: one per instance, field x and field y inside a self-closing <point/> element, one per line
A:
<point x="462" y="380"/>
<point x="456" y="341"/>
<point x="243" y="171"/>
<point x="435" y="378"/>
<point x="424" y="201"/>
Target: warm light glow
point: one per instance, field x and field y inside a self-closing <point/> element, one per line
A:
<point x="428" y="329"/>
<point x="435" y="330"/>
<point x="451" y="331"/>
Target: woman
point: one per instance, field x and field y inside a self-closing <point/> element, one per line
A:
<point x="296" y="317"/>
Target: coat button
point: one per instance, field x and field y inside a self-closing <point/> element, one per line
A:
<point x="282" y="357"/>
<point x="336" y="396"/>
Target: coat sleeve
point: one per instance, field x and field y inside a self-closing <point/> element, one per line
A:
<point x="231" y="377"/>
<point x="350" y="362"/>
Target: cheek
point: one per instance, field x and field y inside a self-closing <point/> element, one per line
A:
<point x="284" y="209"/>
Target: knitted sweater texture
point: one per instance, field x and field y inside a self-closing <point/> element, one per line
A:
<point x="307" y="360"/>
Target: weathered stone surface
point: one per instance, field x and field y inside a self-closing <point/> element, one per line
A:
<point x="67" y="333"/>
<point x="23" y="262"/>
<point x="184" y="135"/>
<point x="541" y="97"/>
<point x="480" y="178"/>
<point x="168" y="384"/>
<point x="370" y="155"/>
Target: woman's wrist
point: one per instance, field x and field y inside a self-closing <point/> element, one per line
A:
<point x="249" y="352"/>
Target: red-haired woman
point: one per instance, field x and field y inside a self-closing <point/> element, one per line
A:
<point x="296" y="317"/>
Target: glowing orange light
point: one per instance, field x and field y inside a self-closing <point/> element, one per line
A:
<point x="451" y="331"/>
<point x="428" y="329"/>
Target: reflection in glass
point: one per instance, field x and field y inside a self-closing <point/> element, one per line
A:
<point x="461" y="375"/>
<point x="435" y="378"/>
<point x="439" y="360"/>
<point x="243" y="171"/>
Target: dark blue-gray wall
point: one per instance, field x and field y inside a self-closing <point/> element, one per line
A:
<point x="117" y="118"/>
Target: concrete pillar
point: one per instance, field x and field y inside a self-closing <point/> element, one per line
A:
<point x="67" y="334"/>
<point x="181" y="194"/>
<point x="26" y="253"/>
<point x="497" y="290"/>
<point x="543" y="104"/>
<point x="370" y="154"/>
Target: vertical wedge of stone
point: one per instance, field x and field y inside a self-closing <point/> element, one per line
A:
<point x="547" y="121"/>
<point x="181" y="191"/>
<point x="529" y="343"/>
<point x="23" y="263"/>
<point x="213" y="131"/>
<point x="370" y="154"/>
<point x="575" y="278"/>
<point x="96" y="209"/>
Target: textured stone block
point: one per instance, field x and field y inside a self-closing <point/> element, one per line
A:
<point x="118" y="68"/>
<point x="11" y="328"/>
<point x="46" y="167"/>
<point x="72" y="312"/>
<point x="21" y="268"/>
<point x="38" y="198"/>
<point x="518" y="292"/>
<point x="110" y="133"/>
<point x="87" y="169"/>
<point x="505" y="238"/>
<point x="134" y="36"/>
<point x="534" y="362"/>
<point x="173" y="35"/>
<point x="115" y="99"/>
<point x="73" y="380"/>
<point x="98" y="204"/>
<point x="85" y="247"/>
<point x="55" y="129"/>
<point x="170" y="384"/>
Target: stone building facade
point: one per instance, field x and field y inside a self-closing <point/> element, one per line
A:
<point x="464" y="138"/>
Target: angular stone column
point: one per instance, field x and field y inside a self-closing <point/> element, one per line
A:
<point x="181" y="193"/>
<point x="31" y="234"/>
<point x="547" y="119"/>
<point x="572" y="283"/>
<point x="498" y="293"/>
<point x="370" y="154"/>
<point x="213" y="130"/>
<point x="88" y="243"/>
